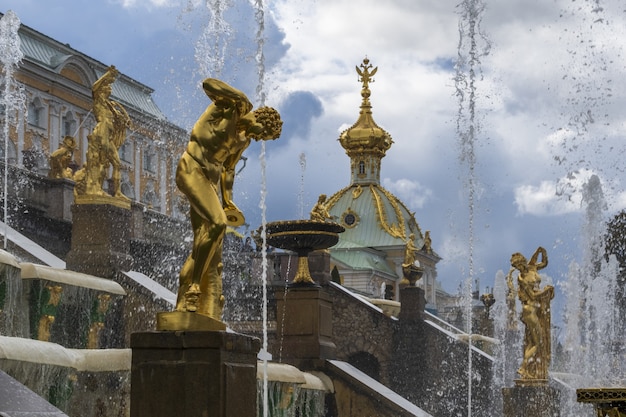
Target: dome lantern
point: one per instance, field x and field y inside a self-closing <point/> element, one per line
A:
<point x="365" y="142"/>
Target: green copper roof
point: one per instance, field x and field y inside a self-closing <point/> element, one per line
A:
<point x="362" y="260"/>
<point x="373" y="217"/>
<point x="53" y="55"/>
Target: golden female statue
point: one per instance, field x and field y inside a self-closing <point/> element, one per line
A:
<point x="409" y="252"/>
<point x="218" y="139"/>
<point x="535" y="314"/>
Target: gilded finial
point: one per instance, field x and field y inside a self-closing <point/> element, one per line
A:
<point x="365" y="136"/>
<point x="365" y="76"/>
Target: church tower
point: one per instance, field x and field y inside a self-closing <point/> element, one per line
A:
<point x="378" y="225"/>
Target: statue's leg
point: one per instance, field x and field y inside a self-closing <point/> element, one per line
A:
<point x="208" y="221"/>
<point x="207" y="258"/>
<point x="212" y="299"/>
<point x="189" y="289"/>
<point x="184" y="280"/>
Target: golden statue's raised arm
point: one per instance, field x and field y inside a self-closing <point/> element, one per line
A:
<point x="218" y="91"/>
<point x="544" y="258"/>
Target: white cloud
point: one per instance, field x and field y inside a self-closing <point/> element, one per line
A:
<point x="564" y="196"/>
<point x="411" y="192"/>
<point x="542" y="200"/>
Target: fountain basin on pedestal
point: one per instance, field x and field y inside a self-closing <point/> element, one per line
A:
<point x="303" y="237"/>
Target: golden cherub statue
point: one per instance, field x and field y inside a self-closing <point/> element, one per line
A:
<point x="535" y="314"/>
<point x="218" y="139"/>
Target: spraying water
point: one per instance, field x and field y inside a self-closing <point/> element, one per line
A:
<point x="211" y="48"/>
<point x="12" y="94"/>
<point x="259" y="14"/>
<point x="301" y="193"/>
<point x="591" y="324"/>
<point x="467" y="70"/>
<point x="590" y="319"/>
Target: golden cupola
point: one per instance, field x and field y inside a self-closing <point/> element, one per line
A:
<point x="365" y="142"/>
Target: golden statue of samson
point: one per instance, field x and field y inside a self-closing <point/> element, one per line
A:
<point x="104" y="142"/>
<point x="206" y="174"/>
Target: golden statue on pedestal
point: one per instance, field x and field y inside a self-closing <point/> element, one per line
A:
<point x="411" y="269"/>
<point x="206" y="170"/>
<point x="104" y="142"/>
<point x="535" y="315"/>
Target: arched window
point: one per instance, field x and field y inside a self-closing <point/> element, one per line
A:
<point x="361" y="167"/>
<point x="126" y="152"/>
<point x="35" y="113"/>
<point x="68" y="127"/>
<point x="149" y="160"/>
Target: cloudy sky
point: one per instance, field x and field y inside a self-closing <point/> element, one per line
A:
<point x="546" y="87"/>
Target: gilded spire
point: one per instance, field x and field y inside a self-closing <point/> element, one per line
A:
<point x="365" y="142"/>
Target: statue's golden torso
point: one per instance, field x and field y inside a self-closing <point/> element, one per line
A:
<point x="214" y="138"/>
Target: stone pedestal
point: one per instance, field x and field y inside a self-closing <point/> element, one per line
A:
<point x="304" y="324"/>
<point x="60" y="196"/>
<point x="413" y="303"/>
<point x="531" y="401"/>
<point x="193" y="374"/>
<point x="100" y="240"/>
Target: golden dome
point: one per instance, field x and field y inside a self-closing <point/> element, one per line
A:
<point x="365" y="136"/>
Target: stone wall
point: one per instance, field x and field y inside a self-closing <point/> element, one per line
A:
<point x="361" y="331"/>
<point x="430" y="369"/>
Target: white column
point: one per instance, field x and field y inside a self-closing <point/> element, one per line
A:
<point x="19" y="161"/>
<point x="85" y="131"/>
<point x="138" y="168"/>
<point x="54" y="124"/>
<point x="163" y="182"/>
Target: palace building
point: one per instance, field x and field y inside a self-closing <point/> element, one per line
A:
<point x="56" y="82"/>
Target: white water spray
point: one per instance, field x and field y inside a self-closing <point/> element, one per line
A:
<point x="211" y="48"/>
<point x="13" y="96"/>
<point x="467" y="69"/>
<point x="590" y="315"/>
<point x="259" y="15"/>
<point x="301" y="193"/>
